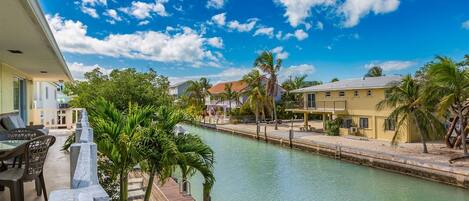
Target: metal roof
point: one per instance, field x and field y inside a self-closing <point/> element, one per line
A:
<point x="361" y="83"/>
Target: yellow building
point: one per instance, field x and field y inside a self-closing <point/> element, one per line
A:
<point x="28" y="53"/>
<point x="354" y="101"/>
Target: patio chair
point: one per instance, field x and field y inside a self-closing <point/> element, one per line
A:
<point x="14" y="121"/>
<point x="35" y="152"/>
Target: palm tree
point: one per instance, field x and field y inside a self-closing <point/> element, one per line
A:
<point x="229" y="95"/>
<point x="188" y="152"/>
<point x="450" y="81"/>
<point x="295" y="83"/>
<point x="265" y="62"/>
<point x="375" y="71"/>
<point x="255" y="92"/>
<point x="197" y="91"/>
<point x="411" y="108"/>
<point x="117" y="136"/>
<point x="195" y="156"/>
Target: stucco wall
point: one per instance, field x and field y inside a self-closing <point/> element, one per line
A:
<point x="364" y="105"/>
<point x="7" y="75"/>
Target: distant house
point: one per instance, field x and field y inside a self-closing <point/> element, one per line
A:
<point x="178" y="89"/>
<point x="354" y="101"/>
<point x="49" y="104"/>
<point x="214" y="101"/>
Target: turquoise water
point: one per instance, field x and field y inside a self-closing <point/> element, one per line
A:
<point x="247" y="170"/>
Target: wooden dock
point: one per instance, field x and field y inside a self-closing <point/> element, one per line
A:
<point x="167" y="192"/>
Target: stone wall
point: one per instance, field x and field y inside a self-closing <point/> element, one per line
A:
<point x="84" y="185"/>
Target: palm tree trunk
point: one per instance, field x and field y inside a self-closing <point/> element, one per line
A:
<point x="206" y="192"/>
<point x="150" y="184"/>
<point x="422" y="137"/>
<point x="124" y="179"/>
<point x="462" y="128"/>
<point x="450" y="144"/>
<point x="275" y="112"/>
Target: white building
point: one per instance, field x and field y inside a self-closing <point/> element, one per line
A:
<point x="178" y="89"/>
<point x="50" y="105"/>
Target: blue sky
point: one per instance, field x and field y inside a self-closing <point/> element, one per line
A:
<point x="219" y="39"/>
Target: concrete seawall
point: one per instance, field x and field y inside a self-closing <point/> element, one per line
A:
<point x="404" y="165"/>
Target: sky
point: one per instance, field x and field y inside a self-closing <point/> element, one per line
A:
<point x="220" y="39"/>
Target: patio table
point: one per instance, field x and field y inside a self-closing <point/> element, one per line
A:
<point x="8" y="145"/>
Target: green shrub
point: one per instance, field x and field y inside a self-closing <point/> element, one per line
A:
<point x="332" y="127"/>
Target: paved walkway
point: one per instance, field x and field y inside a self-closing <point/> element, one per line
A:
<point x="409" y="153"/>
<point x="56" y="170"/>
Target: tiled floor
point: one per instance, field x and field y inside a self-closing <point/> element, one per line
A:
<point x="56" y="170"/>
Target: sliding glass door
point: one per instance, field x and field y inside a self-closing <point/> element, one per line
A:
<point x="20" y="97"/>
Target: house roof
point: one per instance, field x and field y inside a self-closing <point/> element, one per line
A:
<point x="360" y="83"/>
<point x="237" y="86"/>
<point x="177" y="84"/>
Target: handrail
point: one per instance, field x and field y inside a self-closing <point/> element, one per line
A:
<point x="84" y="183"/>
<point x="336" y="105"/>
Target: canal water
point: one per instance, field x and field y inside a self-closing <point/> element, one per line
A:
<point x="248" y="170"/>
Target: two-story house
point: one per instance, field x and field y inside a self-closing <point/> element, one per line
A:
<point x="178" y="89"/>
<point x="354" y="101"/>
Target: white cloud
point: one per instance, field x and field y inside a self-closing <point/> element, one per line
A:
<point x="78" y="70"/>
<point x="354" y="10"/>
<point x="279" y="35"/>
<point x="217" y="4"/>
<point x="143" y="23"/>
<point x="298" y="10"/>
<point x="87" y="6"/>
<point x="215" y="42"/>
<point x="268" y="31"/>
<point x="246" y="27"/>
<point x="280" y="53"/>
<point x="219" y="19"/>
<point x="465" y="25"/>
<point x="142" y="10"/>
<point x="391" y="65"/>
<point x="299" y="34"/>
<point x="90" y="11"/>
<point x="296" y="70"/>
<point x="112" y="14"/>
<point x="228" y="74"/>
<point x="184" y="46"/>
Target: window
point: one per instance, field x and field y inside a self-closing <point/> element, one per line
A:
<point x="311" y="100"/>
<point x="389" y="125"/>
<point x="368" y="93"/>
<point x="328" y="94"/>
<point x="355" y="93"/>
<point x="363" y="122"/>
<point x="346" y="123"/>
<point x="341" y="93"/>
<point x="16" y="94"/>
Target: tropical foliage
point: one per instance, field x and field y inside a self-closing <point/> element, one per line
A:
<point x="120" y="87"/>
<point x="270" y="66"/>
<point x="375" y="71"/>
<point x="411" y="108"/>
<point x="255" y="93"/>
<point x="229" y="95"/>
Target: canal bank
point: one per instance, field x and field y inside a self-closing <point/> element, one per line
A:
<point x="426" y="169"/>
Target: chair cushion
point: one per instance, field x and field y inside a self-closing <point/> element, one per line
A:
<point x="12" y="174"/>
<point x="9" y="122"/>
<point x="44" y="130"/>
<point x="20" y="121"/>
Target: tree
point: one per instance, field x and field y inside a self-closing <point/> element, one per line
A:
<point x="120" y="87"/>
<point x="255" y="92"/>
<point x="265" y="62"/>
<point x="449" y="81"/>
<point x="410" y="108"/>
<point x="375" y="71"/>
<point x="229" y="95"/>
<point x="335" y="79"/>
<point x="295" y="83"/>
<point x="196" y="93"/>
<point x="164" y="150"/>
<point x="117" y="135"/>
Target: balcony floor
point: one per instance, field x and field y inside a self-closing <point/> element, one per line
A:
<point x="56" y="170"/>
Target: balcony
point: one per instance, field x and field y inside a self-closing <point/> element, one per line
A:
<point x="317" y="107"/>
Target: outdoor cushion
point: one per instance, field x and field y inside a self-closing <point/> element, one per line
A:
<point x="20" y="121"/>
<point x="9" y="122"/>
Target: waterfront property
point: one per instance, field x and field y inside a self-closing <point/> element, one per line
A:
<point x="354" y="101"/>
<point x="179" y="89"/>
